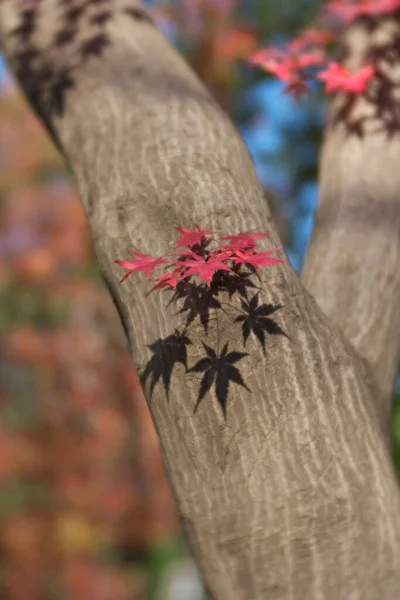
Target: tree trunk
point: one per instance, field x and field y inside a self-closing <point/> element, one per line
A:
<point x="293" y="494"/>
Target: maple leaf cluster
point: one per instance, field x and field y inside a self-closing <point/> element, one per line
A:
<point x="198" y="252"/>
<point x="293" y="62"/>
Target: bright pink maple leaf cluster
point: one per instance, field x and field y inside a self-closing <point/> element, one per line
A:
<point x="337" y="77"/>
<point x="205" y="256"/>
<point x="291" y="62"/>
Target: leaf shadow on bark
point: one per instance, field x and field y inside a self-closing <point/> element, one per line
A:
<point x="218" y="369"/>
<point x="46" y="80"/>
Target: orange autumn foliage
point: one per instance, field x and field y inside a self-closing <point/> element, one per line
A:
<point x="80" y="467"/>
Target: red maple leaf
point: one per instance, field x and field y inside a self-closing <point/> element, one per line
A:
<point x="191" y="237"/>
<point x="203" y="267"/>
<point x="245" y="239"/>
<point x="143" y="262"/>
<point x="202" y="261"/>
<point x="337" y="77"/>
<point x="223" y="253"/>
<point x="171" y="278"/>
<point x="288" y="63"/>
<point x="257" y="259"/>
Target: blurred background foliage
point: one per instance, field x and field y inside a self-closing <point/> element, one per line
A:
<point x="85" y="509"/>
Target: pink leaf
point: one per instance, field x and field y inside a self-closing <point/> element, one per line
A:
<point x="245" y="239"/>
<point x="257" y="259"/>
<point x="289" y="62"/>
<point x="191" y="237"/>
<point x="337" y="77"/>
<point x="167" y="279"/>
<point x="204" y="268"/>
<point x="143" y="262"/>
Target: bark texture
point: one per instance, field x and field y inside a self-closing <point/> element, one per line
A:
<point x="293" y="496"/>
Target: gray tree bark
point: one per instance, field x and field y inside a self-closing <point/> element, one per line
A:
<point x="293" y="496"/>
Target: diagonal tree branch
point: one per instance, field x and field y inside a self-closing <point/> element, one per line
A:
<point x="293" y="495"/>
